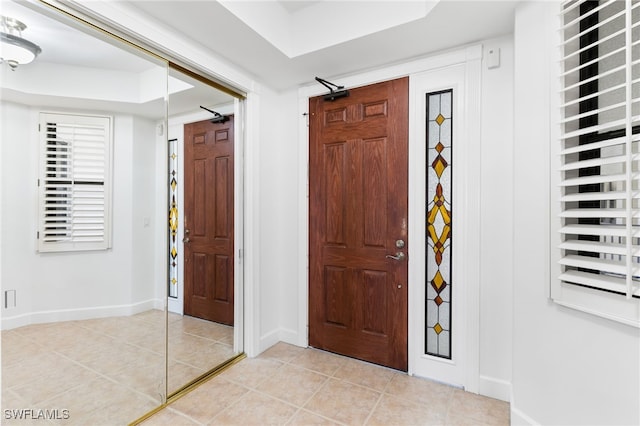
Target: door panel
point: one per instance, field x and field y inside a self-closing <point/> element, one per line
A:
<point x="374" y="192"/>
<point x="208" y="284"/>
<point x="357" y="211"/>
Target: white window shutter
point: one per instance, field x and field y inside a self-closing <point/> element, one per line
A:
<point x="75" y="182"/>
<point x="599" y="190"/>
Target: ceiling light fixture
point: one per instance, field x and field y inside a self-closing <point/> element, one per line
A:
<point x="15" y="50"/>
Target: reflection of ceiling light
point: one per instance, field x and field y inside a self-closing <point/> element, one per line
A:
<point x="14" y="50"/>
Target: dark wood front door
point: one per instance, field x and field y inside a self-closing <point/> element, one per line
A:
<point x="358" y="203"/>
<point x="208" y="221"/>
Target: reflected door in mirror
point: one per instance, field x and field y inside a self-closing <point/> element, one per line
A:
<point x="208" y="241"/>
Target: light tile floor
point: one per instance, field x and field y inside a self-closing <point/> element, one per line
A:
<point x="107" y="371"/>
<point x="296" y="386"/>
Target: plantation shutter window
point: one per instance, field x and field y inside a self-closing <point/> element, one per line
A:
<point x="599" y="191"/>
<point x="75" y="182"/>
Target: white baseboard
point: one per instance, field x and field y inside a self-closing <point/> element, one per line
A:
<point x="494" y="388"/>
<point x="280" y="335"/>
<point x="175" y="306"/>
<point x="518" y="418"/>
<point x="290" y="336"/>
<point x="79" y="314"/>
<point x="268" y="340"/>
<point x="158" y="304"/>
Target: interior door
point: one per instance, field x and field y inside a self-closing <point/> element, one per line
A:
<point x="208" y="221"/>
<point x="358" y="223"/>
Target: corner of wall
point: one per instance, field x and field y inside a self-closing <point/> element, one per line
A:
<point x="494" y="388"/>
<point x="518" y="418"/>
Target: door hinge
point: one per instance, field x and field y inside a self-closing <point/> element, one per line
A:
<point x="38" y="183"/>
<point x="240" y="255"/>
<point x="37" y="235"/>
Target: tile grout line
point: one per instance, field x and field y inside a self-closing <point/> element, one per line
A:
<point x="383" y="392"/>
<point x="102" y="376"/>
<point x="89" y="368"/>
<point x="100" y="332"/>
<point x="182" y="414"/>
<point x="373" y="409"/>
<point x="302" y="406"/>
<point x="233" y="404"/>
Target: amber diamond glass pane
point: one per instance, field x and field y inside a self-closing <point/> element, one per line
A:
<point x="439" y="165"/>
<point x="439" y="223"/>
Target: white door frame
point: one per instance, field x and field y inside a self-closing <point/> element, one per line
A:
<point x="176" y="131"/>
<point x="467" y="224"/>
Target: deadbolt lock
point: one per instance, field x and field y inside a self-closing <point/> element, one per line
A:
<point x="400" y="244"/>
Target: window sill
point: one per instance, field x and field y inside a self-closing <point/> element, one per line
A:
<point x="614" y="307"/>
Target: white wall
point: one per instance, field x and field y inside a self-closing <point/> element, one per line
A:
<point x="75" y="285"/>
<point x="568" y="367"/>
<point x="279" y="203"/>
<point x="278" y="216"/>
<point x="145" y="277"/>
<point x="496" y="211"/>
<point x="19" y="198"/>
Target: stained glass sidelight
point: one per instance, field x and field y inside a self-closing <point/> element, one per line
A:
<point x="439" y="224"/>
<point x="173" y="218"/>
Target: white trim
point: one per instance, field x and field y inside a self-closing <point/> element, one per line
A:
<point x="251" y="291"/>
<point x="303" y="219"/>
<point x="40" y="317"/>
<point x="519" y="418"/>
<point x="270" y="339"/>
<point x="596" y="302"/>
<point x="471" y="56"/>
<point x="494" y="388"/>
<point x="473" y="102"/>
<point x="238" y="225"/>
<point x="288" y="335"/>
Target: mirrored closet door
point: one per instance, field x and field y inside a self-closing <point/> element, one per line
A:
<point x="98" y="318"/>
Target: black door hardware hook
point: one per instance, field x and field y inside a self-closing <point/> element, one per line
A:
<point x="341" y="92"/>
<point x="219" y="118"/>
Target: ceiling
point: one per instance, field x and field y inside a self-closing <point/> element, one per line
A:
<point x="283" y="44"/>
<point x="221" y="26"/>
<point x="293" y="6"/>
<point x="97" y="74"/>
